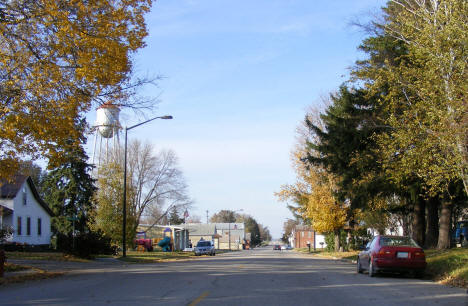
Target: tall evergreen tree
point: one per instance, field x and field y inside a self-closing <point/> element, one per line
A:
<point x="174" y="217"/>
<point x="345" y="144"/>
<point x="69" y="189"/>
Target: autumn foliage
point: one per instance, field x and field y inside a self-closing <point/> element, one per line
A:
<point x="57" y="59"/>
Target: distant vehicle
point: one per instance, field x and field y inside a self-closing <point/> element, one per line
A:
<point x="277" y="247"/>
<point x="288" y="247"/>
<point x="392" y="254"/>
<point x="460" y="234"/>
<point x="283" y="247"/>
<point x="205" y="247"/>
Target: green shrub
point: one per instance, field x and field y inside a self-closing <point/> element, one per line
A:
<point x="86" y="244"/>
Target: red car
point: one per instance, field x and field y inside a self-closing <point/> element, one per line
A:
<point x="392" y="254"/>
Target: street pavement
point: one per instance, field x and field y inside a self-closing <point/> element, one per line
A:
<point x="252" y="277"/>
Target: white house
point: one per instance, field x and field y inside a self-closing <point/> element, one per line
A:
<point x="22" y="209"/>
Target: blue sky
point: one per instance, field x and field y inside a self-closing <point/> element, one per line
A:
<point x="238" y="77"/>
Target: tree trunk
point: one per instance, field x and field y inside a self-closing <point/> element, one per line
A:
<point x="432" y="223"/>
<point x="337" y="240"/>
<point x="444" y="225"/>
<point x="405" y="222"/>
<point x="418" y="225"/>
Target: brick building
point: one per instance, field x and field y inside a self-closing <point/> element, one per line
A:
<point x="303" y="234"/>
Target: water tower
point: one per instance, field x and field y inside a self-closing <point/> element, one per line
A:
<point x="107" y="127"/>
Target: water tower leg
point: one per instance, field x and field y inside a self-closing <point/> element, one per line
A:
<point x="95" y="143"/>
<point x="100" y="152"/>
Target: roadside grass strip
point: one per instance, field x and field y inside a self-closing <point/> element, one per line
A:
<point x="160" y="256"/>
<point x="9" y="267"/>
<point x="19" y="273"/>
<point x="57" y="256"/>
<point x="156" y="256"/>
<point x="351" y="255"/>
<point x="449" y="267"/>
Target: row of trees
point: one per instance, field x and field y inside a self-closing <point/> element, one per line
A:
<point x="391" y="146"/>
<point x="258" y="232"/>
<point x="90" y="210"/>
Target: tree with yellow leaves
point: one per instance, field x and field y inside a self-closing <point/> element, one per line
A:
<point x="313" y="193"/>
<point x="57" y="60"/>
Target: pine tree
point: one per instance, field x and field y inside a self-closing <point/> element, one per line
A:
<point x="69" y="189"/>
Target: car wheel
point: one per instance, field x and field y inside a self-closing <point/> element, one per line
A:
<point x="359" y="268"/>
<point x="372" y="271"/>
<point x="419" y="274"/>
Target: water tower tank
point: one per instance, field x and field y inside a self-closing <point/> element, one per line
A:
<point x="107" y="119"/>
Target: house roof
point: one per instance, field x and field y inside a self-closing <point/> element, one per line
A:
<point x="9" y="190"/>
<point x="304" y="228"/>
<point x="200" y="229"/>
<point x="227" y="226"/>
<point x="5" y="210"/>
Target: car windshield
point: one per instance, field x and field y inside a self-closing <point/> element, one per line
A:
<point x="397" y="241"/>
<point x="203" y="244"/>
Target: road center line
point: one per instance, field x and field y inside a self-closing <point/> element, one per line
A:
<point x="200" y="298"/>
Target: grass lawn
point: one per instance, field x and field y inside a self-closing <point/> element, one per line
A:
<point x="30" y="274"/>
<point x="9" y="267"/>
<point x="448" y="266"/>
<point x="155" y="256"/>
<point x="159" y="256"/>
<point x="352" y="255"/>
<point x="43" y="256"/>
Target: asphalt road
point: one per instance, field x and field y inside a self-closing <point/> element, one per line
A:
<point x="257" y="277"/>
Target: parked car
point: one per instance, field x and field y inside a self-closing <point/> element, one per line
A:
<point x="460" y="233"/>
<point x="392" y="254"/>
<point x="205" y="247"/>
<point x="288" y="247"/>
<point x="277" y="247"/>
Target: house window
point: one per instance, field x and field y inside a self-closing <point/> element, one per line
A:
<point x="302" y="234"/>
<point x="310" y="234"/>
<point x="28" y="226"/>
<point x="18" y="226"/>
<point x="39" y="226"/>
<point x="25" y="199"/>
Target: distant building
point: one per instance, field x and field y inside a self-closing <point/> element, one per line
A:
<point x="219" y="233"/>
<point x="199" y="231"/>
<point x="233" y="232"/>
<point x="303" y="234"/>
<point x="22" y="209"/>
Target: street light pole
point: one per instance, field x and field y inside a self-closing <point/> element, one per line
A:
<point x="124" y="206"/>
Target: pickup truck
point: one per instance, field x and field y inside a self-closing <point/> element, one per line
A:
<point x="460" y="233"/>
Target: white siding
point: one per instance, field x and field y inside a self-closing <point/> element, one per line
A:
<point x="33" y="210"/>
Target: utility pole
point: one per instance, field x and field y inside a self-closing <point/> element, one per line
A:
<point x="207" y="216"/>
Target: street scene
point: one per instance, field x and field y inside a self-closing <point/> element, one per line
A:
<point x="241" y="278"/>
<point x="219" y="152"/>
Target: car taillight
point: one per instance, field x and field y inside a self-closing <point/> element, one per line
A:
<point x="383" y="252"/>
<point x="419" y="254"/>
